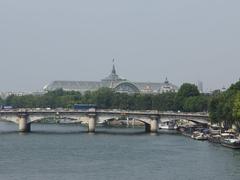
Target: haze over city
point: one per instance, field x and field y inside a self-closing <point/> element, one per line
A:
<point x="185" y="40"/>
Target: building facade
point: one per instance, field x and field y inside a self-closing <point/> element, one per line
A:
<point x="115" y="82"/>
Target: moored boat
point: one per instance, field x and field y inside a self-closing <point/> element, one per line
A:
<point x="199" y="136"/>
<point x="231" y="143"/>
<point x="170" y="125"/>
<point x="215" y="130"/>
<point x="214" y="138"/>
<point x="166" y="126"/>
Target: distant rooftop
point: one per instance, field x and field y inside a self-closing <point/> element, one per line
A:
<point x="113" y="81"/>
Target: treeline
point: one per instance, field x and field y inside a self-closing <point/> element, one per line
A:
<point x="1" y="101"/>
<point x="224" y="107"/>
<point x="187" y="99"/>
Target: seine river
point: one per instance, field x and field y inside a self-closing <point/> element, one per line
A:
<point x="67" y="152"/>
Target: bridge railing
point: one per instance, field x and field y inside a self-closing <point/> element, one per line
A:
<point x="117" y="111"/>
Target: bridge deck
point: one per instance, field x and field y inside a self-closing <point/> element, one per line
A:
<point x="104" y="111"/>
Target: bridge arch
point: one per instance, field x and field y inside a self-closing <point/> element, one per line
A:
<point x="50" y="118"/>
<point x="197" y="121"/>
<point x="145" y="121"/>
<point x="126" y="87"/>
<point x="8" y="120"/>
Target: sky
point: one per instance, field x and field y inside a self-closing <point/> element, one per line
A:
<point x="186" y="41"/>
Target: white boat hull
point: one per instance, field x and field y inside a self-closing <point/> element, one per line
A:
<point x="167" y="127"/>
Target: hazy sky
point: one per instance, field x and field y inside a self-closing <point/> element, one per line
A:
<point x="185" y="40"/>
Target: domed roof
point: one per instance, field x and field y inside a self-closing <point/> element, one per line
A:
<point x="113" y="76"/>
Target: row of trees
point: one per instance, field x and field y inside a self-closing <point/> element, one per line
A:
<point x="1" y="100"/>
<point x="225" y="107"/>
<point x="187" y="99"/>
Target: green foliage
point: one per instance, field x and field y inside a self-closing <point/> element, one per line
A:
<point x="188" y="90"/>
<point x="1" y="101"/>
<point x="224" y="106"/>
<point x="215" y="109"/>
<point x="235" y="87"/>
<point x="195" y="104"/>
<point x="143" y="101"/>
<point x="51" y="99"/>
<point x="103" y="97"/>
<point x="185" y="100"/>
<point x="236" y="109"/>
<point x="108" y="99"/>
<point x="164" y="102"/>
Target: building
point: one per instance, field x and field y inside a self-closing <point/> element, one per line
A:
<point x="4" y="95"/>
<point x="200" y="86"/>
<point x="115" y="82"/>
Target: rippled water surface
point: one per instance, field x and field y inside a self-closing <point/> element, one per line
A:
<point x="67" y="152"/>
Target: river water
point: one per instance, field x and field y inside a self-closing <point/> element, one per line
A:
<point x="67" y="152"/>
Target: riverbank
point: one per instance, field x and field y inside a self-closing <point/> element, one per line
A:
<point x="227" y="138"/>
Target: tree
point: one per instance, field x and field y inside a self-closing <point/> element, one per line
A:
<point x="235" y="86"/>
<point x="164" y="101"/>
<point x="107" y="98"/>
<point x="236" y="110"/>
<point x="224" y="106"/>
<point x="87" y="98"/>
<point x="196" y="104"/>
<point x="186" y="90"/>
<point x="143" y="101"/>
<point x="103" y="97"/>
<point x="1" y="101"/>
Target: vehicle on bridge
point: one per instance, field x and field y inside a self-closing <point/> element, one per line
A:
<point x="5" y="107"/>
<point x="89" y="107"/>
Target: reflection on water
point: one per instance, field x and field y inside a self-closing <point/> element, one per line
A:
<point x="68" y="152"/>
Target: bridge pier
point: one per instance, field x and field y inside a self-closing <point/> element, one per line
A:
<point x="147" y="128"/>
<point x="91" y="123"/>
<point x="23" y="125"/>
<point x="154" y="124"/>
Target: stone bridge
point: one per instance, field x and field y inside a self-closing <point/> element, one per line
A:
<point x="24" y="117"/>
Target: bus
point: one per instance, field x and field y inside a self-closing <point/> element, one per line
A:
<point x="89" y="107"/>
<point x="4" y="107"/>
